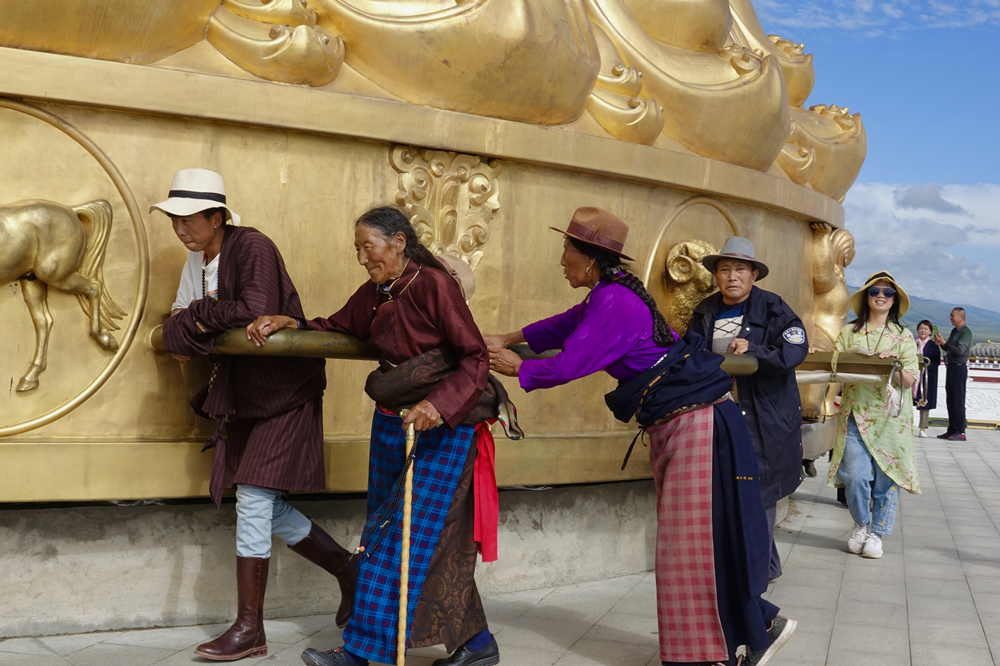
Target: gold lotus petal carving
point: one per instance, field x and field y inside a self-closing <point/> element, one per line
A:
<point x="730" y="106"/>
<point x="451" y="198"/>
<point x="533" y="61"/>
<point x="627" y="118"/>
<point x="623" y="80"/>
<point x="615" y="75"/>
<point x="797" y="66"/>
<point x="301" y="55"/>
<point x="839" y="141"/>
<point x="798" y="162"/>
<point x="277" y="12"/>
<point x="694" y="25"/>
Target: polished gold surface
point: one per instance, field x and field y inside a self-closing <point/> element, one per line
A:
<point x="302" y="54"/>
<point x="529" y="60"/>
<point x="688" y="282"/>
<point x="165" y="92"/>
<point x="715" y="83"/>
<point x="276" y="12"/>
<point x="451" y="199"/>
<point x="839" y="143"/>
<point x="694" y="25"/>
<point x="796" y="64"/>
<point x="616" y="102"/>
<point x="122" y="30"/>
<point x="674" y="275"/>
<point x="833" y="252"/>
<point x="51" y="233"/>
<point x="673" y="124"/>
<point x="729" y="105"/>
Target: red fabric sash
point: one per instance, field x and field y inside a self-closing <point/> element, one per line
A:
<point x="487" y="499"/>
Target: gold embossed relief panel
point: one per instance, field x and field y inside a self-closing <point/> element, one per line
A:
<point x="69" y="243"/>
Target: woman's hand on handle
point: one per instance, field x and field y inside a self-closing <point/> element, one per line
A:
<point x="267" y="325"/>
<point x="423" y="416"/>
<point x="505" y="362"/>
<point x="496" y="342"/>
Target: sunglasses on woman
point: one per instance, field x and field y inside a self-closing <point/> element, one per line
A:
<point x="889" y="292"/>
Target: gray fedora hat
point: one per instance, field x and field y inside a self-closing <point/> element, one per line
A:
<point x="740" y="248"/>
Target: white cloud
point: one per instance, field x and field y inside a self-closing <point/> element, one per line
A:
<point x="878" y="16"/>
<point x="943" y="245"/>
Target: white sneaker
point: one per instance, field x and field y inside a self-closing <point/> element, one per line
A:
<point x="873" y="547"/>
<point x="923" y="433"/>
<point x="858" y="539"/>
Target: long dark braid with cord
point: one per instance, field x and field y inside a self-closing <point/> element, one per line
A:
<point x="390" y="220"/>
<point x="610" y="265"/>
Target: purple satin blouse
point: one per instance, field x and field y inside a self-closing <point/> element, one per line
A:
<point x="611" y="330"/>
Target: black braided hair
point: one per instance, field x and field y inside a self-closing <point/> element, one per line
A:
<point x="390" y="220"/>
<point x="610" y="265"/>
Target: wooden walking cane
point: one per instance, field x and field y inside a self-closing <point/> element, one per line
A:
<point x="404" y="560"/>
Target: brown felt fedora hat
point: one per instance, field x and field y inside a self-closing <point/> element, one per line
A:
<point x="597" y="227"/>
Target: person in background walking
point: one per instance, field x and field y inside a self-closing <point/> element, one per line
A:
<point x="930" y="350"/>
<point x="957" y="374"/>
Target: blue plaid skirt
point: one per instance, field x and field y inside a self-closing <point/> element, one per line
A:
<point x="441" y="453"/>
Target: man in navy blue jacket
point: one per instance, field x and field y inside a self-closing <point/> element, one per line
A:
<point x="743" y="319"/>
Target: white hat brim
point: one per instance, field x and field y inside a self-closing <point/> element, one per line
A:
<point x="179" y="207"/>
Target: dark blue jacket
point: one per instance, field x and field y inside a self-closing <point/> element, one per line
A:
<point x="769" y="399"/>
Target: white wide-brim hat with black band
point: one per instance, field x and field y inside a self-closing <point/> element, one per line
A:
<point x="195" y="190"/>
<point x="738" y="248"/>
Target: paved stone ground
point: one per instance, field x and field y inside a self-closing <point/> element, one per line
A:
<point x="933" y="599"/>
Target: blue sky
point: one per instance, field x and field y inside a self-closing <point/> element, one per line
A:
<point x="925" y="76"/>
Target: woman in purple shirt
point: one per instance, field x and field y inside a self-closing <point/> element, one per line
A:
<point x="711" y="560"/>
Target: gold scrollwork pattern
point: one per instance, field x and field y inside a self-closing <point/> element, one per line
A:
<point x="616" y="102"/>
<point x="277" y="12"/>
<point x="302" y="54"/>
<point x="451" y="198"/>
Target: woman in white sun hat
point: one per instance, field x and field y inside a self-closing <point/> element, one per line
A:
<point x="272" y="408"/>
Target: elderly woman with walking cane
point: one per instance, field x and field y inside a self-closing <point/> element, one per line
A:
<point x="712" y="540"/>
<point x="435" y="370"/>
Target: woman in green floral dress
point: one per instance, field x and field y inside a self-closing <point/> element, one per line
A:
<point x="874" y="456"/>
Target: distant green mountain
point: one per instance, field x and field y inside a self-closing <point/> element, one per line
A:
<point x="985" y="324"/>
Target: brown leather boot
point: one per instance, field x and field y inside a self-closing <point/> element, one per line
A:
<point x="320" y="549"/>
<point x="246" y="636"/>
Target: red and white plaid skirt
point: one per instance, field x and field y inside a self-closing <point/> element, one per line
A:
<point x="681" y="455"/>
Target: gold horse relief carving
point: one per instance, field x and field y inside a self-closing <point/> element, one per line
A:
<point x="45" y="244"/>
<point x="688" y="282"/>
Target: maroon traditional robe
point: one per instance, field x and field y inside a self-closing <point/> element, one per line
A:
<point x="251" y="392"/>
<point x="423" y="310"/>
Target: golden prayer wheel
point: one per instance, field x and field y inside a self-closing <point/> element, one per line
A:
<point x="489" y="120"/>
